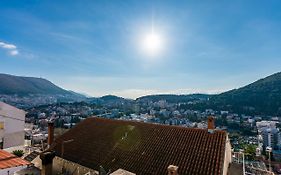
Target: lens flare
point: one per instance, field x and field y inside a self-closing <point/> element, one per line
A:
<point x="152" y="44"/>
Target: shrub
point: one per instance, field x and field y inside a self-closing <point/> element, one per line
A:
<point x="18" y="153"/>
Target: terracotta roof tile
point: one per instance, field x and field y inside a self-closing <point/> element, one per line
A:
<point x="8" y="160"/>
<point x="143" y="148"/>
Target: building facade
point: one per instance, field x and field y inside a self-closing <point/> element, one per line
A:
<point x="12" y="122"/>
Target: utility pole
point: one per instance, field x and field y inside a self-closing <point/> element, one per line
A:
<point x="243" y="163"/>
<point x="269" y="150"/>
<point x="243" y="160"/>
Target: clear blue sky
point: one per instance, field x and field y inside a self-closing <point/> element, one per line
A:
<point x="93" y="46"/>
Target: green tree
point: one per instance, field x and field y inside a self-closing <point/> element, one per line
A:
<point x="250" y="151"/>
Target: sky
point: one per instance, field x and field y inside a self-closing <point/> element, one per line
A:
<point x="98" y="47"/>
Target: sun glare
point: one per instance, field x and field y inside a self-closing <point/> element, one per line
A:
<point x="152" y="44"/>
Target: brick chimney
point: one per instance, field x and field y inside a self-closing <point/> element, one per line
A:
<point x="172" y="170"/>
<point x="211" y="124"/>
<point x="50" y="133"/>
<point x="47" y="162"/>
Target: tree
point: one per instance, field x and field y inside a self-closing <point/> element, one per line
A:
<point x="250" y="151"/>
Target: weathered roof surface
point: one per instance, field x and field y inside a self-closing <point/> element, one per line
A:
<point x="235" y="169"/>
<point x="8" y="160"/>
<point x="143" y="148"/>
<point x="30" y="157"/>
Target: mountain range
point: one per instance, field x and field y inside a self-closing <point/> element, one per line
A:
<point x="25" y="92"/>
<point x="22" y="86"/>
<point x="260" y="97"/>
<point x="172" y="98"/>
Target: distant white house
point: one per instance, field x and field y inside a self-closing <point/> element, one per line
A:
<point x="12" y="122"/>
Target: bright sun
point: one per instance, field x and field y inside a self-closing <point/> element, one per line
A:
<point x="152" y="44"/>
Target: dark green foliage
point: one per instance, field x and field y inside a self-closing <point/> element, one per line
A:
<point x="18" y="153"/>
<point x="260" y="97"/>
<point x="75" y="119"/>
<point x="174" y="98"/>
<point x="250" y="151"/>
<point x="110" y="98"/>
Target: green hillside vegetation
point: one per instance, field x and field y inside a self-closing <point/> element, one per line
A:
<point x="260" y="97"/>
<point x="10" y="85"/>
<point x="170" y="98"/>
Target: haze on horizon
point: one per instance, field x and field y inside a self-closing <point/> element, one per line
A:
<point x="134" y="48"/>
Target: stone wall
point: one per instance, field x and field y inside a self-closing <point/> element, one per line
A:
<point x="71" y="167"/>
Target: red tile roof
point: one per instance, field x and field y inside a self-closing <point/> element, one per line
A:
<point x="143" y="148"/>
<point x="8" y="160"/>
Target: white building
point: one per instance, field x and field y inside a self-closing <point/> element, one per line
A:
<point x="266" y="124"/>
<point x="12" y="122"/>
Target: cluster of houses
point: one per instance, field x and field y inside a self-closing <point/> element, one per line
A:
<point x="142" y="135"/>
<point x="127" y="147"/>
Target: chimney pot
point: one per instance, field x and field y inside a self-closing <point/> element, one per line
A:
<point x="211" y="124"/>
<point x="50" y="133"/>
<point x="172" y="170"/>
<point x="47" y="162"/>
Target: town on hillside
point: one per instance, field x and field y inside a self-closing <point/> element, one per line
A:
<point x="140" y="87"/>
<point x="254" y="140"/>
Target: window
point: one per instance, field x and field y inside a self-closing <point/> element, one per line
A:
<point x="1" y="125"/>
<point x="1" y="143"/>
